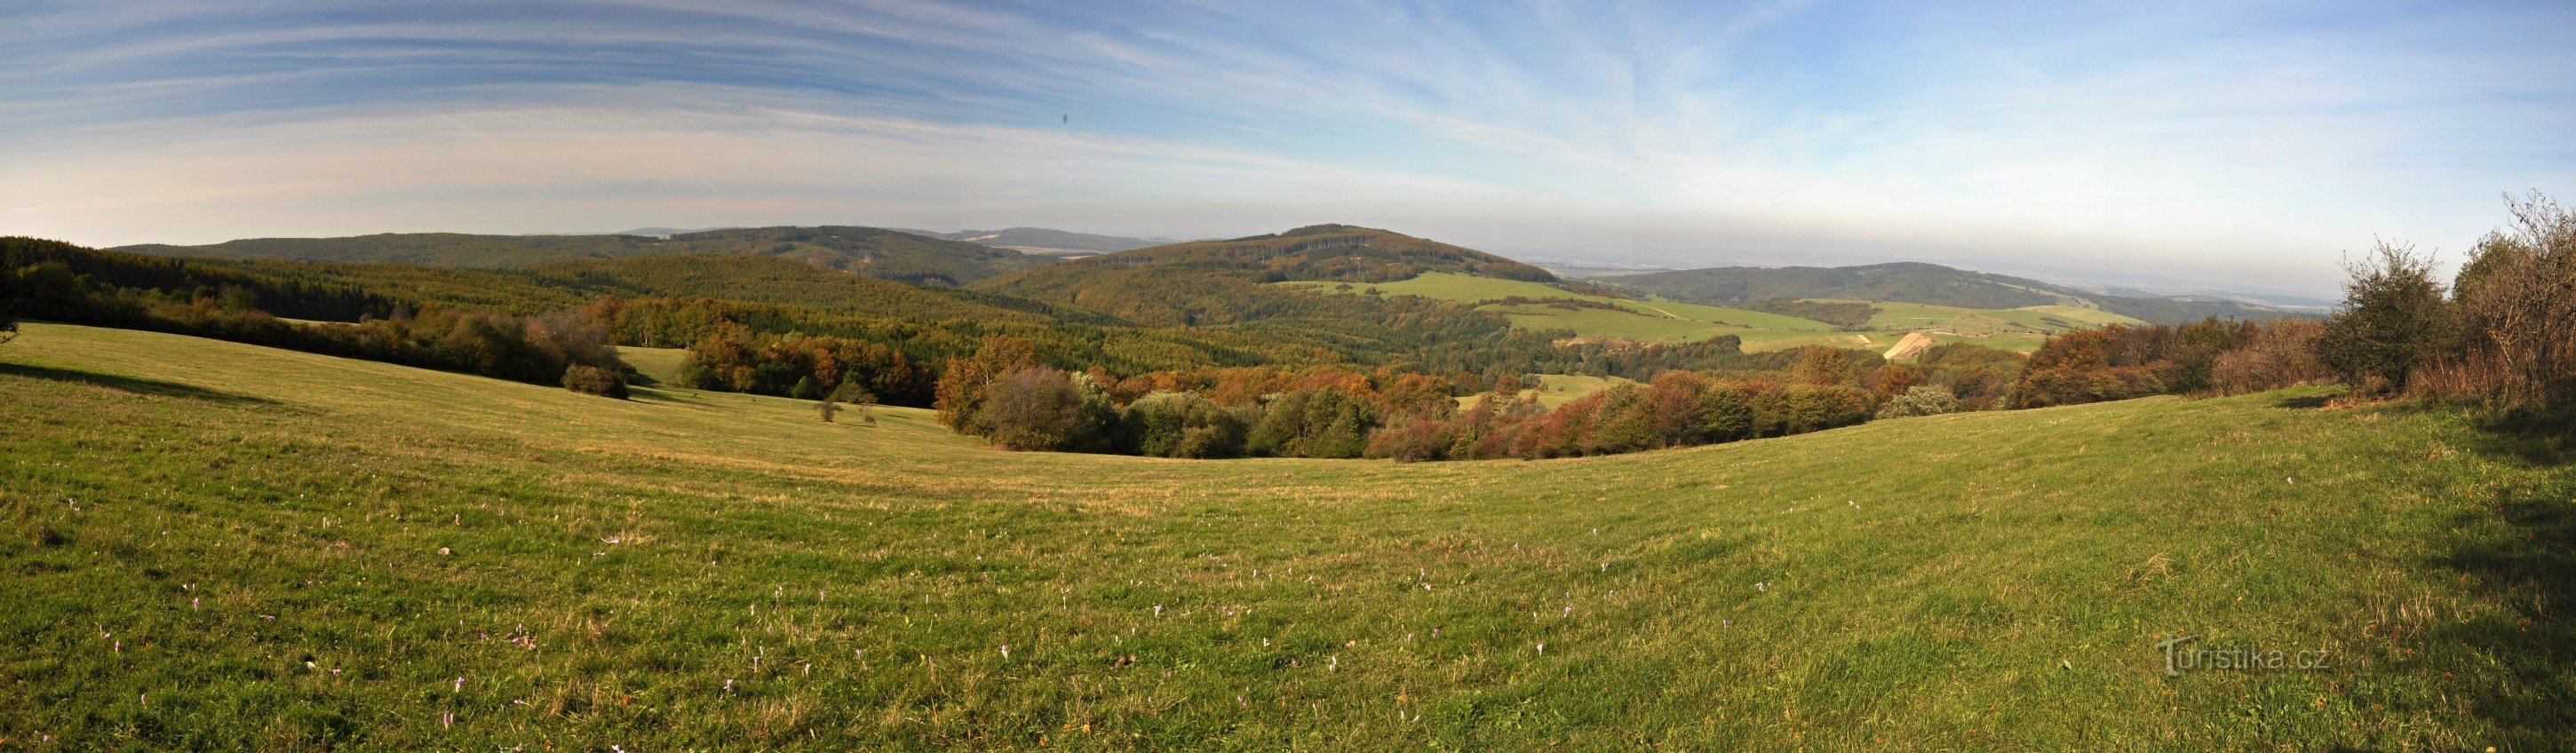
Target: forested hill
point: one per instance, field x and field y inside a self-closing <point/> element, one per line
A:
<point x="1326" y="252"/>
<point x="1224" y="282"/>
<point x="866" y="251"/>
<point x="1911" y="282"/>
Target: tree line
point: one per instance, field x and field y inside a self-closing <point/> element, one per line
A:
<point x="46" y="280"/>
<point x="2501" y="334"/>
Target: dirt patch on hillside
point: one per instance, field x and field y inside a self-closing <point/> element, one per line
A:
<point x="1913" y="344"/>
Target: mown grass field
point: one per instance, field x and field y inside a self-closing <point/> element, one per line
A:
<point x="2021" y="329"/>
<point x="218" y="546"/>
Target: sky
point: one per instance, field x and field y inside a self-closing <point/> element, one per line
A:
<point x="2254" y="144"/>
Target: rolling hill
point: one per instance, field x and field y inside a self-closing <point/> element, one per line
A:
<point x="1912" y="282"/>
<point x="870" y="252"/>
<point x="214" y="545"/>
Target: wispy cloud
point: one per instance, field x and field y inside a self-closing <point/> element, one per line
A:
<point x="2222" y="140"/>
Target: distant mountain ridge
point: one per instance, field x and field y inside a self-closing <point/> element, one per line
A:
<point x="866" y="251"/>
<point x="1912" y="282"/>
<point x="1042" y="240"/>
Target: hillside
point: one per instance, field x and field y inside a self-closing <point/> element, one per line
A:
<point x="871" y="252"/>
<point x="1911" y="282"/>
<point x="1548" y="307"/>
<point x="223" y="546"/>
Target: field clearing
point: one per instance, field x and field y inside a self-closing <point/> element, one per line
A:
<point x="662" y="365"/>
<point x="2039" y="320"/>
<point x="1557" y="389"/>
<point x="215" y="545"/>
<point x="2093" y="317"/>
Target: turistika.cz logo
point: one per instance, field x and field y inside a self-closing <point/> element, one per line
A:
<point x="2180" y="658"/>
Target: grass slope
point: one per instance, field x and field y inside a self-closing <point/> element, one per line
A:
<point x="1915" y="282"/>
<point x="212" y="545"/>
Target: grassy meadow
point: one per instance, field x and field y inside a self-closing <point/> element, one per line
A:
<point x="220" y="546"/>
<point x="2019" y="330"/>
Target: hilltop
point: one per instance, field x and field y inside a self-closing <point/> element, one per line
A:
<point x="1912" y="282"/>
<point x="1222" y="282"/>
<point x="216" y="545"/>
<point x="866" y="251"/>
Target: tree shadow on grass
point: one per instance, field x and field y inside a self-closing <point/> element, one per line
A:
<point x="134" y="385"/>
<point x="2530" y="567"/>
<point x="2541" y="438"/>
<point x="651" y="395"/>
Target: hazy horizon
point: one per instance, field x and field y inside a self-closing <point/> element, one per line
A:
<point x="2255" y="145"/>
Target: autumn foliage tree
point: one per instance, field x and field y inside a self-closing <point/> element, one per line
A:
<point x="2515" y="305"/>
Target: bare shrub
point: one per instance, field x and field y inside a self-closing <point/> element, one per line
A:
<point x="2281" y="353"/>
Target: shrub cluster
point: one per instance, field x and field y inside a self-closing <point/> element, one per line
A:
<point x="2119" y="362"/>
<point x="592" y="380"/>
<point x="806" y="367"/>
<point x="1678" y="409"/>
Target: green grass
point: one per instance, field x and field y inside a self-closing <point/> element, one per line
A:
<point x="1986" y="581"/>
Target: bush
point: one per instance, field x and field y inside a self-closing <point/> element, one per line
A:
<point x="2281" y="353"/>
<point x="1920" y="400"/>
<point x="1040" y="408"/>
<point x="592" y="380"/>
<point x="2393" y="315"/>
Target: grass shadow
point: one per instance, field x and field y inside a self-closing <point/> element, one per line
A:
<point x="134" y="385"/>
<point x="2531" y="567"/>
<point x="653" y="395"/>
<point x="2297" y="402"/>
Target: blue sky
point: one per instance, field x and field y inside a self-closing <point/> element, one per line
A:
<point x="2243" y="143"/>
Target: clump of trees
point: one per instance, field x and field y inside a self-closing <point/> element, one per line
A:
<point x="806" y="367"/>
<point x="2506" y="335"/>
<point x="2119" y="362"/>
<point x="2281" y="353"/>
<point x="1678" y="409"/>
